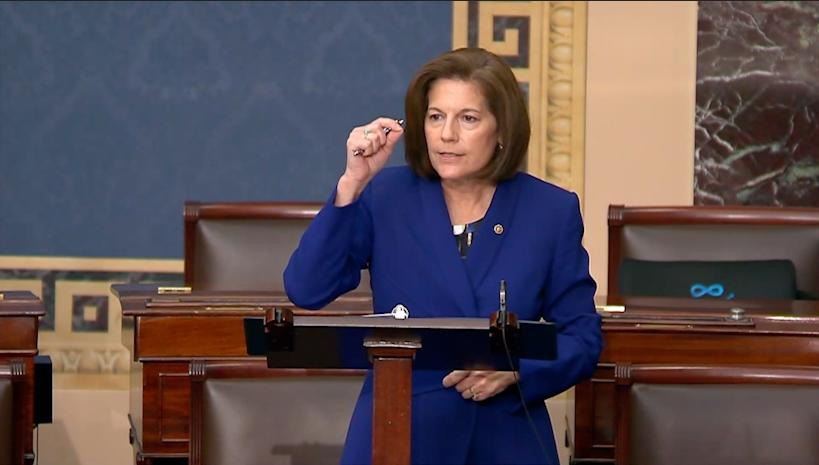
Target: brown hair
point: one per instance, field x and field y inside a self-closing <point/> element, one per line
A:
<point x="500" y="88"/>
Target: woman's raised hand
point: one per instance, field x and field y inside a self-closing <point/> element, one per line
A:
<point x="368" y="149"/>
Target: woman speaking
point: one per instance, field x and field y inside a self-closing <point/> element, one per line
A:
<point x="438" y="236"/>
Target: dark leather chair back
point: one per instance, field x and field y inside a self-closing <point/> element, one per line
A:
<point x="714" y="234"/>
<point x="679" y="415"/>
<point x="6" y="423"/>
<point x="12" y="426"/>
<point x="244" y="245"/>
<point x="243" y="413"/>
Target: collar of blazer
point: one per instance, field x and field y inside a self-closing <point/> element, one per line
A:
<point x="463" y="275"/>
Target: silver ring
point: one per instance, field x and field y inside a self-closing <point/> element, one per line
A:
<point x="366" y="133"/>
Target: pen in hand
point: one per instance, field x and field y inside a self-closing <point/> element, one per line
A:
<point x="359" y="152"/>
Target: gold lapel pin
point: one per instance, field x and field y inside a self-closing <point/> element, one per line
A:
<point x="498" y="229"/>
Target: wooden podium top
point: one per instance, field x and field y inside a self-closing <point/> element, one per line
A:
<point x="19" y="321"/>
<point x="20" y="303"/>
<point x="151" y="300"/>
<point x="751" y="316"/>
<point x="212" y="324"/>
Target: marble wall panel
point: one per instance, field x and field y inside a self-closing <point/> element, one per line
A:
<point x="757" y="117"/>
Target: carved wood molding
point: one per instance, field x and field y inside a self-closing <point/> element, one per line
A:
<point x="545" y="43"/>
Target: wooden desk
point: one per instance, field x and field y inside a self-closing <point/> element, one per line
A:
<point x="164" y="342"/>
<point x="700" y="332"/>
<point x="19" y="322"/>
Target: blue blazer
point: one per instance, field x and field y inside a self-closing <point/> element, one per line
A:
<point x="400" y="228"/>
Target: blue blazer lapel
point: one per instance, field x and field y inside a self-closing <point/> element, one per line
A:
<point x="492" y="231"/>
<point x="438" y="229"/>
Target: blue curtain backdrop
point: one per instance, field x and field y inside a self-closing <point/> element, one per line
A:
<point x="113" y="114"/>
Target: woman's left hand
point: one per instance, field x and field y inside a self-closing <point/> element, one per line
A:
<point x="479" y="385"/>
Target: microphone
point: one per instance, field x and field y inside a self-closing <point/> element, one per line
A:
<point x="502" y="311"/>
<point x="506" y="323"/>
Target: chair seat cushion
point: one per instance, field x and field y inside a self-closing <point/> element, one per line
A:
<point x="751" y="279"/>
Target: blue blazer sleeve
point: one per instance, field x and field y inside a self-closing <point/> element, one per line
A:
<point x="331" y="253"/>
<point x="569" y="303"/>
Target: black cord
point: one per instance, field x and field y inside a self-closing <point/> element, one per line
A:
<point x="522" y="399"/>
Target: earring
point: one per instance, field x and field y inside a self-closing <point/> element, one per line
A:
<point x="500" y="146"/>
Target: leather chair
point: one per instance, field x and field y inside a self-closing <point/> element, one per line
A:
<point x="758" y="251"/>
<point x="12" y="427"/>
<point x="243" y="413"/>
<point x="245" y="245"/>
<point x="681" y="415"/>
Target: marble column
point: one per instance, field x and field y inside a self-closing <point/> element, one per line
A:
<point x="757" y="118"/>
